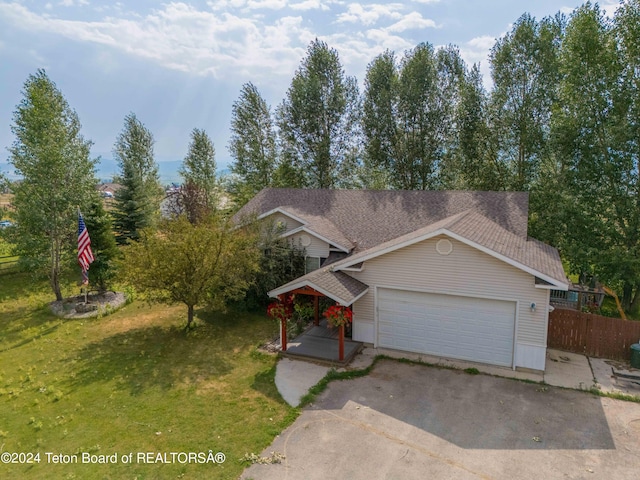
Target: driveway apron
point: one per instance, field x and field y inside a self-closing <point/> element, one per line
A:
<point x="408" y="421"/>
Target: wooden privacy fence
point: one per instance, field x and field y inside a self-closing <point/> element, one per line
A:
<point x="592" y="335"/>
<point x="8" y="264"/>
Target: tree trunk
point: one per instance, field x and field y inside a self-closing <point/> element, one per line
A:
<point x="54" y="276"/>
<point x="189" y="316"/>
<point x="627" y="291"/>
<point x="635" y="303"/>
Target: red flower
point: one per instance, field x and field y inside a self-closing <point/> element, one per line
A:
<point x="338" y="315"/>
<point x="282" y="309"/>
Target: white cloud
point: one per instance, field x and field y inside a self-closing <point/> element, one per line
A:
<point x="266" y="4"/>
<point x="412" y="21"/>
<point x="369" y="14"/>
<point x="477" y="50"/>
<point x="73" y="3"/>
<point x="309" y="5"/>
<point x="426" y="2"/>
<point x="182" y="38"/>
<point x="225" y="5"/>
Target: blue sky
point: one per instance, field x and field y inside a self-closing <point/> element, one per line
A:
<point x="180" y="65"/>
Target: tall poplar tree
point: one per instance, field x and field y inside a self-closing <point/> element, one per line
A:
<point x="524" y="68"/>
<point x="592" y="133"/>
<point x="252" y="145"/>
<point x="379" y="120"/>
<point x="409" y="120"/>
<point x="58" y="176"/>
<point x="319" y="120"/>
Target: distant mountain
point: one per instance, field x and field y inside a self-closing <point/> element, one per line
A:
<point x="107" y="168"/>
<point x="168" y="171"/>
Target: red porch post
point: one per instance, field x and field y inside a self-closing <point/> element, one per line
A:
<point x="283" y="334"/>
<point x="341" y="343"/>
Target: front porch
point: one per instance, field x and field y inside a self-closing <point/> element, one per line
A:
<point x="321" y="343"/>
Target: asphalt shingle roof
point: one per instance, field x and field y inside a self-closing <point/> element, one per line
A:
<point x="341" y="287"/>
<point x="367" y="218"/>
<point x="369" y="221"/>
<point x="476" y="228"/>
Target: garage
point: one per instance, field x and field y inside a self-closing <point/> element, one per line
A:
<point x="468" y="328"/>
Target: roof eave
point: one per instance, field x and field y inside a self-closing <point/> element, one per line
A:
<point x="305" y="283"/>
<point x="303" y="228"/>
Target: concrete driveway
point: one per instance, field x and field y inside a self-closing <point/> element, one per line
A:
<point x="407" y="421"/>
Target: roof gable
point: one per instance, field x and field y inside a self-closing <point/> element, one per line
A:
<point x="477" y="231"/>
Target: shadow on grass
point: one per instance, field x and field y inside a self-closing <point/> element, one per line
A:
<point x="22" y="325"/>
<point x="14" y="285"/>
<point x="160" y="357"/>
<point x="264" y="382"/>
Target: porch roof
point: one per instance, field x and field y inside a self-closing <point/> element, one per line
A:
<point x="338" y="286"/>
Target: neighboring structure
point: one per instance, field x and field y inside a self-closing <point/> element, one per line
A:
<point x="108" y="190"/>
<point x="446" y="273"/>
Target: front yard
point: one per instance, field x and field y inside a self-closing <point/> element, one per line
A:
<point x="132" y="383"/>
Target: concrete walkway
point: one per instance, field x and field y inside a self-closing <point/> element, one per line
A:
<point x="294" y="378"/>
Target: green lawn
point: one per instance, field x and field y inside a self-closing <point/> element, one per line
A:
<point x="133" y="382"/>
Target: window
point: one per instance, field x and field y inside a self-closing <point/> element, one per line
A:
<point x="311" y="264"/>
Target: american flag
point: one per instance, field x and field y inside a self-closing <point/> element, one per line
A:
<point x="85" y="255"/>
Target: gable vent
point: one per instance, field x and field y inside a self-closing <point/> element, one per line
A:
<point x="444" y="247"/>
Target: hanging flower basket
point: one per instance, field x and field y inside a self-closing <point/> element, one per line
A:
<point x="338" y="315"/>
<point x="281" y="310"/>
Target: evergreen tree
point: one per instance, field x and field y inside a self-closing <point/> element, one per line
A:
<point x="138" y="201"/>
<point x="103" y="245"/>
<point x="199" y="166"/>
<point x="198" y="196"/>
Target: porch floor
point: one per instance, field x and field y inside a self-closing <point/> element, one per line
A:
<point x="320" y="343"/>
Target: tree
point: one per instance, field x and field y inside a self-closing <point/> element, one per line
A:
<point x="379" y="120"/>
<point x="252" y="145"/>
<point x="57" y="177"/>
<point x="198" y="196"/>
<point x="281" y="261"/>
<point x="409" y="116"/>
<point x="318" y="120"/>
<point x="103" y="245"/>
<point x="210" y="263"/>
<point x="138" y="201"/>
<point x="475" y="165"/>
<point x="524" y="67"/>
<point x="592" y="138"/>
<point x="199" y="166"/>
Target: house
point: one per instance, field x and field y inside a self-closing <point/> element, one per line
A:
<point x="108" y="190"/>
<point x="447" y="273"/>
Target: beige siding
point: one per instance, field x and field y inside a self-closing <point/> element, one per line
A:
<point x="290" y="223"/>
<point x="465" y="271"/>
<point x="317" y="248"/>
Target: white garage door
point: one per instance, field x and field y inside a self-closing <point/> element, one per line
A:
<point x="452" y="326"/>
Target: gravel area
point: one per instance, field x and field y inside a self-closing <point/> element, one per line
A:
<point x="97" y="304"/>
